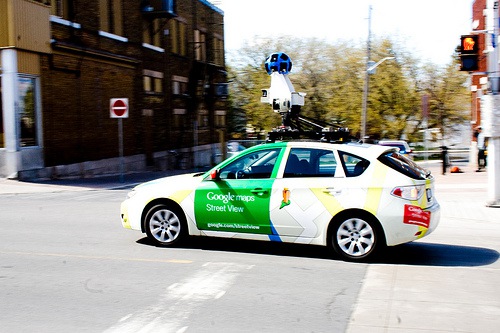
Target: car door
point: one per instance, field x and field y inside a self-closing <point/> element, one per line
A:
<point x="308" y="194"/>
<point x="238" y="199"/>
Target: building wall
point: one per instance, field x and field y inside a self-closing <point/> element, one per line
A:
<point x="85" y="69"/>
<point x="478" y="7"/>
<point x="85" y="52"/>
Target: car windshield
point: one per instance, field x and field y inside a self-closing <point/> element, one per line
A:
<point x="404" y="165"/>
<point x="258" y="164"/>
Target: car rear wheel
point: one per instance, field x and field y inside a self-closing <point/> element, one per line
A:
<point x="165" y="225"/>
<point x="356" y="238"/>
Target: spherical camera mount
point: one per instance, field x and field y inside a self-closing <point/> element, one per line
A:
<point x="278" y="62"/>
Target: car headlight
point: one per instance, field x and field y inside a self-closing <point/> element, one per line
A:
<point x="413" y="192"/>
<point x="131" y="194"/>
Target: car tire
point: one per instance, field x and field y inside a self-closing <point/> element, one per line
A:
<point x="165" y="225"/>
<point x="356" y="238"/>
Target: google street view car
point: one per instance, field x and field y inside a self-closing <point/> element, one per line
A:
<point x="355" y="198"/>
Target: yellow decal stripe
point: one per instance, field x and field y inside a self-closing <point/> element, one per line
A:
<point x="331" y="204"/>
<point x="374" y="192"/>
<point x="423" y="231"/>
<point x="179" y="196"/>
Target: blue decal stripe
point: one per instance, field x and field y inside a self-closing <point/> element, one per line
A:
<point x="274" y="237"/>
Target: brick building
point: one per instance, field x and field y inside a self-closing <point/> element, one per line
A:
<point x="479" y="25"/>
<point x="62" y="61"/>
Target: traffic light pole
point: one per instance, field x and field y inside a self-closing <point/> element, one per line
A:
<point x="490" y="106"/>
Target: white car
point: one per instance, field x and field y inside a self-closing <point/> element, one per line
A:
<point x="355" y="198"/>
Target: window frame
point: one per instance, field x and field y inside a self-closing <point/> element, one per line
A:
<point x="307" y="164"/>
<point x="36" y="137"/>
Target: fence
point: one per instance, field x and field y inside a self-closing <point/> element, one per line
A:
<point x="454" y="155"/>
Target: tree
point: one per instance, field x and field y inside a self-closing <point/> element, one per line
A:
<point x="332" y="75"/>
<point x="449" y="100"/>
<point x="392" y="103"/>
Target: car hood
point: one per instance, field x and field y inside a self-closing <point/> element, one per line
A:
<point x="171" y="183"/>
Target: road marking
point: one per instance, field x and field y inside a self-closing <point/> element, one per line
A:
<point x="171" y="311"/>
<point x="81" y="256"/>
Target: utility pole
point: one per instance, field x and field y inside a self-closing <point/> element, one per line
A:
<point x="490" y="106"/>
<point x="367" y="76"/>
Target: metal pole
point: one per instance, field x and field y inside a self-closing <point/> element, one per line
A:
<point x="367" y="76"/>
<point x="120" y="147"/>
<point x="491" y="128"/>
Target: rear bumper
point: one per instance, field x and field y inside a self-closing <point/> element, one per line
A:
<point x="409" y="228"/>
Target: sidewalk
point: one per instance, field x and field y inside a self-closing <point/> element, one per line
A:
<point x="9" y="186"/>
<point x="446" y="282"/>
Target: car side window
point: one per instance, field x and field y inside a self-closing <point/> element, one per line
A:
<point x="309" y="162"/>
<point x="255" y="165"/>
<point x="353" y="165"/>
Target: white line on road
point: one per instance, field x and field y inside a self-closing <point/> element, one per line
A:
<point x="172" y="310"/>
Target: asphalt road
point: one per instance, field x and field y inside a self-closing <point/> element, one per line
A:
<point x="67" y="265"/>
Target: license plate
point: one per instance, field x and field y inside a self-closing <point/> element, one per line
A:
<point x="428" y="192"/>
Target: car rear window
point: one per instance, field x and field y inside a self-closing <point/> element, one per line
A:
<point x="406" y="166"/>
<point x="353" y="165"/>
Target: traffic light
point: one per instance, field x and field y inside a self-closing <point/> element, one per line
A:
<point x="469" y="53"/>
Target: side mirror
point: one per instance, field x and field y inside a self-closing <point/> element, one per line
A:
<point x="215" y="174"/>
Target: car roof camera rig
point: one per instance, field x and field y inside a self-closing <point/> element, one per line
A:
<point x="287" y="102"/>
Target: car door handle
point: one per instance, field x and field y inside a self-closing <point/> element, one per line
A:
<point x="259" y="191"/>
<point x="332" y="190"/>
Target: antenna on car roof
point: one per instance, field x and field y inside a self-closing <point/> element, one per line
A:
<point x="287" y="102"/>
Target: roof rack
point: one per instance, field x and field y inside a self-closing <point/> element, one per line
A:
<point x="302" y="127"/>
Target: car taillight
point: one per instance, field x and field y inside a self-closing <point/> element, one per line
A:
<point x="413" y="192"/>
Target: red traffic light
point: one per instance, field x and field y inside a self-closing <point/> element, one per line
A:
<point x="469" y="44"/>
<point x="469" y="53"/>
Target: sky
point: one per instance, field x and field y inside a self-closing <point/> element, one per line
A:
<point x="429" y="29"/>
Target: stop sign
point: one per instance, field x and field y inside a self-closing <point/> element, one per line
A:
<point x="118" y="107"/>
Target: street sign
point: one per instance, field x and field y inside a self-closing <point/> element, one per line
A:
<point x="118" y="107"/>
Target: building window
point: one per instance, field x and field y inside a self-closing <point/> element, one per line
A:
<point x="28" y="115"/>
<point x="200" y="47"/>
<point x="62" y="8"/>
<point x="220" y="118"/>
<point x="179" y="118"/>
<point x="111" y="16"/>
<point x="178" y="38"/>
<point x="218" y="51"/>
<point x="153" y="82"/>
<point x="202" y="119"/>
<point x="179" y="85"/>
<point x="152" y="32"/>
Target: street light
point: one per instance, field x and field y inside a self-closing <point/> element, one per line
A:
<point x="369" y="71"/>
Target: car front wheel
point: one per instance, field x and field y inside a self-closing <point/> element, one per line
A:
<point x="165" y="225"/>
<point x="356" y="238"/>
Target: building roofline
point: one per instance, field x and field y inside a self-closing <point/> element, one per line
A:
<point x="212" y="6"/>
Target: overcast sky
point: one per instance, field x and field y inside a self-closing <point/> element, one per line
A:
<point x="430" y="29"/>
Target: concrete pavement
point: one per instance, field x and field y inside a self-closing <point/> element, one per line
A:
<point x="10" y="186"/>
<point x="446" y="282"/>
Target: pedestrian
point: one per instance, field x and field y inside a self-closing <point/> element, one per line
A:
<point x="481" y="149"/>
